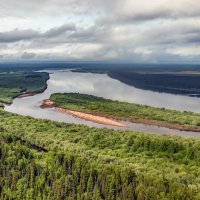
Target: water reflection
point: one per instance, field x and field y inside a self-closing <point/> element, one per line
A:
<point x="104" y="86"/>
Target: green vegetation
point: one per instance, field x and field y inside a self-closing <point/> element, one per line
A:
<point x="45" y="160"/>
<point x="94" y="71"/>
<point x="14" y="83"/>
<point x="41" y="159"/>
<point x="1" y="105"/>
<point x="123" y="110"/>
<point x="26" y="174"/>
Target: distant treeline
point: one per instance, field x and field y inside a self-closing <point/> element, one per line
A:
<point x="186" y="84"/>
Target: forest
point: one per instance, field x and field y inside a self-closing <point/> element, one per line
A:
<point x="46" y="160"/>
<point x="127" y="111"/>
<point x="41" y="159"/>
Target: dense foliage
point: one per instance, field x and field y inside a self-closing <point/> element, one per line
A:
<point x="78" y="162"/>
<point x="123" y="110"/>
<point x="13" y="83"/>
<point x="28" y="174"/>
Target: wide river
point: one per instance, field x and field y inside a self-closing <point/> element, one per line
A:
<point x="103" y="86"/>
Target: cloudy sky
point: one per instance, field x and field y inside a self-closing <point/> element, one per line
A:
<point x="151" y="31"/>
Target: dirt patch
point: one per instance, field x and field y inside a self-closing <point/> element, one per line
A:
<point x="48" y="104"/>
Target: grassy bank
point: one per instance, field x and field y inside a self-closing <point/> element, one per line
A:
<point x="14" y="83"/>
<point x="128" y="111"/>
<point x="90" y="163"/>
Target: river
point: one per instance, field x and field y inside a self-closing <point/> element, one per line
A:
<point x="101" y="85"/>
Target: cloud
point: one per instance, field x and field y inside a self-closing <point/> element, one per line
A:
<point x="27" y="55"/>
<point x="185" y="51"/>
<point x="129" y="31"/>
<point x="140" y="11"/>
<point x="60" y="30"/>
<point x="17" y="35"/>
<point x="29" y="34"/>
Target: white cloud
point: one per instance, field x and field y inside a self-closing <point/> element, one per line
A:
<point x="185" y="51"/>
<point x="143" y="51"/>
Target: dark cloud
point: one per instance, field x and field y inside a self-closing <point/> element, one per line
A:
<point x="27" y="55"/>
<point x="17" y="35"/>
<point x="132" y="12"/>
<point x="53" y="32"/>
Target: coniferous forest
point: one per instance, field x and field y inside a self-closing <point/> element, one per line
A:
<point x="41" y="159"/>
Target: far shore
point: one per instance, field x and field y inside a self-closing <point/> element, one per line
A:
<point x="27" y="94"/>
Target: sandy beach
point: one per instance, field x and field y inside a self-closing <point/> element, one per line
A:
<point x="28" y="94"/>
<point x="89" y="117"/>
<point x="92" y="118"/>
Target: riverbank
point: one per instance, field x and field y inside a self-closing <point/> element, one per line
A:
<point x="122" y="111"/>
<point x="92" y="118"/>
<point x="21" y="95"/>
<point x="27" y="94"/>
<point x="21" y="84"/>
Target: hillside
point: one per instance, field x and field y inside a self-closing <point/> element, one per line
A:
<point x="53" y="160"/>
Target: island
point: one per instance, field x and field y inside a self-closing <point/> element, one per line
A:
<point x="84" y="104"/>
